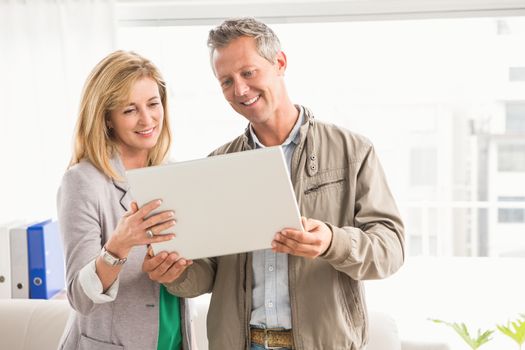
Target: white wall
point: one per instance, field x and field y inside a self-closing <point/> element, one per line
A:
<point x="47" y="48"/>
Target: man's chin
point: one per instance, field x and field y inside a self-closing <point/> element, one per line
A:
<point x="254" y="118"/>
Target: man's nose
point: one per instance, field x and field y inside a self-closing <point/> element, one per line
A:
<point x="241" y="88"/>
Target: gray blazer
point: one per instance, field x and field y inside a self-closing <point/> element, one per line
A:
<point x="89" y="207"/>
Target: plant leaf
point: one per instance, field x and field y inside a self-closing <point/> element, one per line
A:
<point x="462" y="330"/>
<point x="516" y="332"/>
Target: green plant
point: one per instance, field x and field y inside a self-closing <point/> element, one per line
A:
<point x="517" y="332"/>
<point x="462" y="331"/>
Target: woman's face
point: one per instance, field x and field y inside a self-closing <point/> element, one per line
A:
<point x="137" y="123"/>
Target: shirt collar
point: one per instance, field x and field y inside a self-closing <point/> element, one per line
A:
<point x="294" y="136"/>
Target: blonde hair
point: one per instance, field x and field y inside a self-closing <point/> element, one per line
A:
<point x="108" y="87"/>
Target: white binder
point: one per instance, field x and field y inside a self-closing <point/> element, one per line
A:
<point x="19" y="266"/>
<point x="5" y="259"/>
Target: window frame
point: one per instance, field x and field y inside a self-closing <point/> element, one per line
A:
<point x="177" y="12"/>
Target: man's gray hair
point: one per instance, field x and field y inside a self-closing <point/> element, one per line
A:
<point x="268" y="45"/>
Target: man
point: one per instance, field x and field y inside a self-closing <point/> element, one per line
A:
<point x="306" y="292"/>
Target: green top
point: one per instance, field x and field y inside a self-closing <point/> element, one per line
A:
<point x="170" y="336"/>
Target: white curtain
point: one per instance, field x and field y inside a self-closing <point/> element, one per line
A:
<point x="47" y="48"/>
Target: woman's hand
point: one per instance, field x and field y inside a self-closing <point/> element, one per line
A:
<point x="134" y="229"/>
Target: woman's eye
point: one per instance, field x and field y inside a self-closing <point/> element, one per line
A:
<point x="129" y="111"/>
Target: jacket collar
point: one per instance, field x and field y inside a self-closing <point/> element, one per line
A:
<point x="308" y="121"/>
<point x="122" y="185"/>
<point x="306" y="136"/>
<point x="294" y="135"/>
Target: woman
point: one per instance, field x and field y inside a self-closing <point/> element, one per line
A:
<point x="122" y="124"/>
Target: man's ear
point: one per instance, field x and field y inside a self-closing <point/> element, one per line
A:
<point x="281" y="62"/>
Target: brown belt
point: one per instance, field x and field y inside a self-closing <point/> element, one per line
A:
<point x="272" y="338"/>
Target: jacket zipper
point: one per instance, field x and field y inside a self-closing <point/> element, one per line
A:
<point x="318" y="187"/>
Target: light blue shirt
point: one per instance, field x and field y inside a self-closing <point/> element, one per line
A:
<point x="270" y="297"/>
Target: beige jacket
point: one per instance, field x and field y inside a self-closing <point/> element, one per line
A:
<point x="338" y="179"/>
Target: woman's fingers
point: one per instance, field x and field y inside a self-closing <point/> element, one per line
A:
<point x="133" y="230"/>
<point x="161" y="238"/>
<point x="158" y="236"/>
<point x="134" y="207"/>
<point x="148" y="208"/>
<point x="159" y="218"/>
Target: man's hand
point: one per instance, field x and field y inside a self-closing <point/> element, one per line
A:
<point x="310" y="243"/>
<point x="164" y="267"/>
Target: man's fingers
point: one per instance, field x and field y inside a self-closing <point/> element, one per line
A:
<point x="292" y="246"/>
<point x="161" y="269"/>
<point x="152" y="262"/>
<point x="298" y="243"/>
<point x="292" y="243"/>
<point x="301" y="237"/>
<point x="304" y="250"/>
<point x="309" y="224"/>
<point x="304" y="222"/>
<point x="279" y="247"/>
<point x="176" y="270"/>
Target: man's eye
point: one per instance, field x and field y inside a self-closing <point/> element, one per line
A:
<point x="226" y="83"/>
<point x="248" y="74"/>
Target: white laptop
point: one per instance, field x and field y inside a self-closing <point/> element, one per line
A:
<point x="223" y="205"/>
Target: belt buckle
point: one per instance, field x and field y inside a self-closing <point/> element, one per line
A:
<point x="266" y="341"/>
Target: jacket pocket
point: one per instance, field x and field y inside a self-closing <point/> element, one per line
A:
<point x="353" y="302"/>
<point x="325" y="181"/>
<point x="326" y="197"/>
<point x="321" y="186"/>
<point x="87" y="343"/>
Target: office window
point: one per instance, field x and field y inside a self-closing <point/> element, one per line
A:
<point x="511" y="157"/>
<point x="511" y="215"/>
<point x="517" y="73"/>
<point x="423" y="167"/>
<point x="515" y="117"/>
<point x="427" y="93"/>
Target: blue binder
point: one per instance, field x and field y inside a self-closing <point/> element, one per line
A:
<point x="45" y="260"/>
